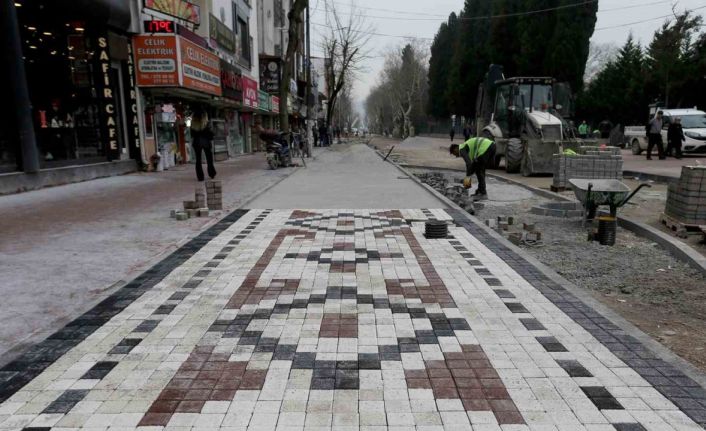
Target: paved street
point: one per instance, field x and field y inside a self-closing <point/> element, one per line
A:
<point x="345" y="318"/>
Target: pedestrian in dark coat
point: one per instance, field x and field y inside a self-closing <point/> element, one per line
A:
<point x="452" y="133"/>
<point x="675" y="136"/>
<point x="202" y="140"/>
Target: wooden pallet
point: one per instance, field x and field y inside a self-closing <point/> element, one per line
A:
<point x="681" y="229"/>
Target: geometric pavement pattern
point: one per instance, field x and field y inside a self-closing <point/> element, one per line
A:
<point x="331" y="319"/>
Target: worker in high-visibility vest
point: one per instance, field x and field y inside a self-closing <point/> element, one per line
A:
<point x="478" y="153"/>
<point x="583" y="130"/>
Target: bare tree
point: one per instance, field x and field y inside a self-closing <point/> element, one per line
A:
<point x="294" y="16"/>
<point x="344" y="44"/>
<point x="405" y="75"/>
<point x="599" y="55"/>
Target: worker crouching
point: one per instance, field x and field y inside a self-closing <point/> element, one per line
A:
<point x="478" y="153"/>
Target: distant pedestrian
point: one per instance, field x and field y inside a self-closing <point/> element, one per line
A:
<point x="315" y="135"/>
<point x="466" y="132"/>
<point x="654" y="136"/>
<point x="583" y="130"/>
<point x="675" y="136"/>
<point x="202" y="140"/>
<point x="452" y="133"/>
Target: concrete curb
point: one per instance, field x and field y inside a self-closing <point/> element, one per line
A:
<point x="658" y="349"/>
<point x="643" y="176"/>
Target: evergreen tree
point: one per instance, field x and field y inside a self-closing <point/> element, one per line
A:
<point x="439" y="66"/>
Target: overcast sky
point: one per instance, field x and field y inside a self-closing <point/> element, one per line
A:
<point x="616" y="19"/>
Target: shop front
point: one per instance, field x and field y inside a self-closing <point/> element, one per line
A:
<point x="232" y="83"/>
<point x="79" y="74"/>
<point x="250" y="106"/>
<point x="176" y="75"/>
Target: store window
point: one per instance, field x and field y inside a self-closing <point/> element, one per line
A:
<point x="60" y="62"/>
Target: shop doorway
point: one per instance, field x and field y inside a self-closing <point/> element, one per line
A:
<point x="116" y="72"/>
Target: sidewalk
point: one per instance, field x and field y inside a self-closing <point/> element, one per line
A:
<point x="306" y="319"/>
<point x="62" y="249"/>
<point x="656" y="169"/>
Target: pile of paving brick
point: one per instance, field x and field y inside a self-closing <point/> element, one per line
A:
<point x="505" y="225"/>
<point x="210" y="199"/>
<point x="686" y="199"/>
<point x="588" y="163"/>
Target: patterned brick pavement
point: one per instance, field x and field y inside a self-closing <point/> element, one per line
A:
<point x="344" y="320"/>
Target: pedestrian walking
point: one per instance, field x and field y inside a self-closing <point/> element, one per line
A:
<point x="654" y="136"/>
<point x="202" y="140"/>
<point x="583" y="130"/>
<point x="452" y="133"/>
<point x="478" y="153"/>
<point x="466" y="132"/>
<point x="675" y="136"/>
<point x="315" y="135"/>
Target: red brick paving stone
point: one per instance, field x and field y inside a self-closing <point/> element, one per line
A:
<point x="222" y="395"/>
<point x="476" y="405"/>
<point x="471" y="393"/>
<point x="415" y="374"/>
<point x="190" y="406"/>
<point x="445" y="393"/>
<point x="418" y="384"/>
<point x="164" y="406"/>
<point x="439" y="373"/>
<point x="155" y="419"/>
<point x="298" y="214"/>
<point x="509" y="417"/>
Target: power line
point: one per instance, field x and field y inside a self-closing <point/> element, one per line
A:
<point x="646" y="20"/>
<point x="509" y="15"/>
<point x="371" y="33"/>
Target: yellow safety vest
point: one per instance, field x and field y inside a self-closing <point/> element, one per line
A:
<point x="476" y="147"/>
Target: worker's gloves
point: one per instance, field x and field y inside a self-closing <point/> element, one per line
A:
<point x="467" y="183"/>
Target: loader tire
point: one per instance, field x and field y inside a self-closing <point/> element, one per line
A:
<point x="513" y="155"/>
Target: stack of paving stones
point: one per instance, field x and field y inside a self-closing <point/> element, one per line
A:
<point x="686" y="199"/>
<point x="195" y="208"/>
<point x="588" y="163"/>
<point x="261" y="325"/>
<point x="214" y="195"/>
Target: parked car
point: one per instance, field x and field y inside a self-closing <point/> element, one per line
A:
<point x="693" y="122"/>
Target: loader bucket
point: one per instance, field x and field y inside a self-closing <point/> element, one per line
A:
<point x="538" y="158"/>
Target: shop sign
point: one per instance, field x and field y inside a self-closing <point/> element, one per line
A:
<point x="104" y="87"/>
<point x="270" y="74"/>
<point x="275" y="104"/>
<point x="177" y="8"/>
<point x="156" y="58"/>
<point x="263" y="100"/>
<point x="220" y="32"/>
<point x="159" y="26"/>
<point x="231" y="81"/>
<point x="200" y="68"/>
<point x="133" y="129"/>
<point x="250" y="95"/>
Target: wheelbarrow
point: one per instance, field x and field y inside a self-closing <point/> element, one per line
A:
<point x="594" y="193"/>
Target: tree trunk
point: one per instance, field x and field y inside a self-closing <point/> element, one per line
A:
<point x="295" y="20"/>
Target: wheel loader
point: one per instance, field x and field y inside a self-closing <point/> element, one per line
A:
<point x="526" y="117"/>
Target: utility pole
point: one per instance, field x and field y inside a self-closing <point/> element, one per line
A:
<point x="19" y="93"/>
<point x="308" y="84"/>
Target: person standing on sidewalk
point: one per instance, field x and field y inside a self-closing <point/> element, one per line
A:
<point x="202" y="140"/>
<point x="654" y="136"/>
<point x="315" y="135"/>
<point x="478" y="154"/>
<point x="452" y="133"/>
<point x="675" y="136"/>
<point x="583" y="130"/>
